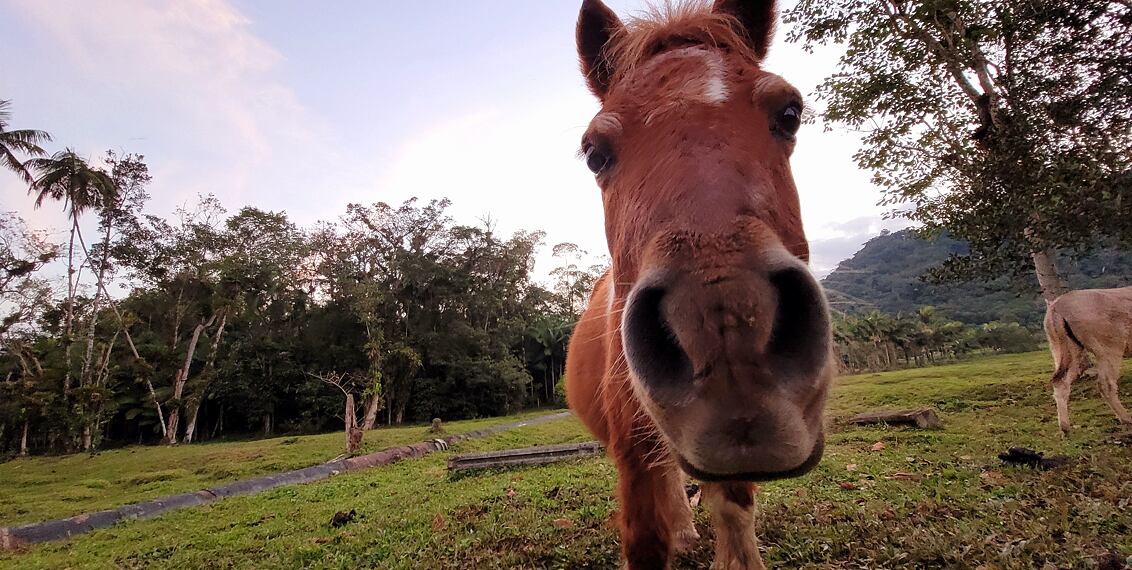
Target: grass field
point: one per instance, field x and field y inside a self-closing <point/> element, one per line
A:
<point x="41" y="488"/>
<point x="927" y="500"/>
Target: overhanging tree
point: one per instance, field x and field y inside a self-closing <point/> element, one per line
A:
<point x="1004" y="122"/>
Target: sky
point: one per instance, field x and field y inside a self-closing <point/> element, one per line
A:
<point x="306" y="107"/>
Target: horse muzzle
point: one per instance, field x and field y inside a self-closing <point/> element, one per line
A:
<point x="733" y="363"/>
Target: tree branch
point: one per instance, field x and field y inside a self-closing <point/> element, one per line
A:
<point x="896" y="17"/>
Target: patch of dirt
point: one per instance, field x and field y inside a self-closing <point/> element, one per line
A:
<point x="469" y="513"/>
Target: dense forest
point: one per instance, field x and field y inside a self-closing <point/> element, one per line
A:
<point x="210" y="323"/>
<point x="213" y="322"/>
<point x="891" y="274"/>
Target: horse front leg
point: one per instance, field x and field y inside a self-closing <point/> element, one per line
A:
<point x="655" y="520"/>
<point x="683" y="521"/>
<point x="732" y="508"/>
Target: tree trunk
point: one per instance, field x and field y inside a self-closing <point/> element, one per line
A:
<point x="171" y="426"/>
<point x="103" y="374"/>
<point x="179" y="383"/>
<point x="371" y="413"/>
<point x="209" y="369"/>
<point x="95" y="376"/>
<point x="191" y="428"/>
<point x="69" y="311"/>
<point x="1049" y="279"/>
<point x="95" y="306"/>
<point x="24" y="440"/>
<point x="219" y="428"/>
<point x="354" y="434"/>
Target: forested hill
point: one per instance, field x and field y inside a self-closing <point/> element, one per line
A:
<point x="885" y="275"/>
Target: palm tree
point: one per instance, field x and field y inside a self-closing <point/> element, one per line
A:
<point x="550" y="336"/>
<point x="66" y="177"/>
<point x="23" y="141"/>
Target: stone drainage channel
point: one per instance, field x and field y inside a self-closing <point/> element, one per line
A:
<point x="15" y="537"/>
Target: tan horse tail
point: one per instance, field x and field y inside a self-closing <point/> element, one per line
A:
<point x="1064" y="345"/>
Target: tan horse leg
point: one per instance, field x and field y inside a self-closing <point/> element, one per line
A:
<point x="1069" y="367"/>
<point x="1061" y="398"/>
<point x="681" y="514"/>
<point x="1108" y="374"/>
<point x="733" y="518"/>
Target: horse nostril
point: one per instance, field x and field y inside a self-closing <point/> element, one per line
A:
<point x="800" y="339"/>
<point x="744" y="431"/>
<point x="652" y="349"/>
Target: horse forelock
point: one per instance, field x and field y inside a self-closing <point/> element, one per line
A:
<point x="671" y="26"/>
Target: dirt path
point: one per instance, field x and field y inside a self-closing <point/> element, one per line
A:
<point x="15" y="537"/>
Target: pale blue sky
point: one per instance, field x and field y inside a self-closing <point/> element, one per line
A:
<point x="306" y="106"/>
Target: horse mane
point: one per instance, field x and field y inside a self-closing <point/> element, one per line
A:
<point x="671" y="25"/>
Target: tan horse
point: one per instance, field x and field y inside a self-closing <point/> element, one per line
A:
<point x="1091" y="320"/>
<point x="706" y="347"/>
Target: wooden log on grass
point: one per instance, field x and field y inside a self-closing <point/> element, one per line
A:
<point x="526" y="456"/>
<point x="924" y="418"/>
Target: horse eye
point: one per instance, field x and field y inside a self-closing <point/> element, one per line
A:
<point x="597" y="160"/>
<point x="789" y="120"/>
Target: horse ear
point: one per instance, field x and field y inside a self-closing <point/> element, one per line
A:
<point x="756" y="16"/>
<point x="597" y="27"/>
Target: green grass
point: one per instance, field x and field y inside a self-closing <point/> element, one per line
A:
<point x="953" y="506"/>
<point x="40" y="488"/>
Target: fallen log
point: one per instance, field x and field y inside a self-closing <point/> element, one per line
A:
<point x="924" y="418"/>
<point x="526" y="456"/>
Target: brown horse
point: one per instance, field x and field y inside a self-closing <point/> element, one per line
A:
<point x="706" y="347"/>
<point x="1091" y="320"/>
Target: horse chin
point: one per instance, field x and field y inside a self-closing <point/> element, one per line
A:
<point x="749" y="436"/>
<point x="755" y="475"/>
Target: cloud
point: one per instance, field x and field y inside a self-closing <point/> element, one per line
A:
<point x="515" y="165"/>
<point x="826" y="254"/>
<point x="845" y="239"/>
<point x="189" y="84"/>
<point x="199" y="53"/>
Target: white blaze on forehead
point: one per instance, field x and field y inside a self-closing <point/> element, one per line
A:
<point x="715" y="87"/>
<point x="704" y="83"/>
<point x="716" y="91"/>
